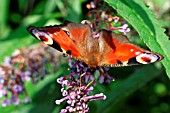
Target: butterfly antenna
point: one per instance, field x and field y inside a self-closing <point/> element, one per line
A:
<point x="89" y="83"/>
<point x="81" y="78"/>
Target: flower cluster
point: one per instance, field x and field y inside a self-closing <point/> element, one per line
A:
<point x="78" y="68"/>
<point x="24" y="65"/>
<point x="77" y="95"/>
<point x="76" y="86"/>
<point x="103" y="15"/>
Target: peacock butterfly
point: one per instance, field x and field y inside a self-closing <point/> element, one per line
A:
<point x="110" y="49"/>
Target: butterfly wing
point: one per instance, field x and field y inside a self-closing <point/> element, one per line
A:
<point x="120" y="52"/>
<point x="110" y="49"/>
<point x="69" y="38"/>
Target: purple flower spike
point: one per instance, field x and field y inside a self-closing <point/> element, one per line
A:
<point x="78" y="68"/>
<point x="77" y="95"/>
<point x="24" y="65"/>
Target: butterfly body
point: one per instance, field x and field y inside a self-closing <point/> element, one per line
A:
<point x="109" y="49"/>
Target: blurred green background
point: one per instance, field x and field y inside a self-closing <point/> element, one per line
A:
<point x="142" y="89"/>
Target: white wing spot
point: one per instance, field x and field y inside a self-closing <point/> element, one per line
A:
<point x="55" y="34"/>
<point x="125" y="63"/>
<point x="137" y="53"/>
<point x="131" y="50"/>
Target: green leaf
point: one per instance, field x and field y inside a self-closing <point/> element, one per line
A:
<point x="50" y="6"/>
<point x="144" y="21"/>
<point x="70" y="9"/>
<point x="3" y="20"/>
<point x="74" y="11"/>
<point x="17" y="39"/>
<point x="121" y="89"/>
<point x="3" y="11"/>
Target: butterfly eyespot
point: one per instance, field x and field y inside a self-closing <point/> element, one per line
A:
<point x="43" y="36"/>
<point x="67" y="32"/>
<point x="146" y="58"/>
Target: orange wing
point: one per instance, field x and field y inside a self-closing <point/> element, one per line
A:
<point x="123" y="53"/>
<point x="67" y="38"/>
